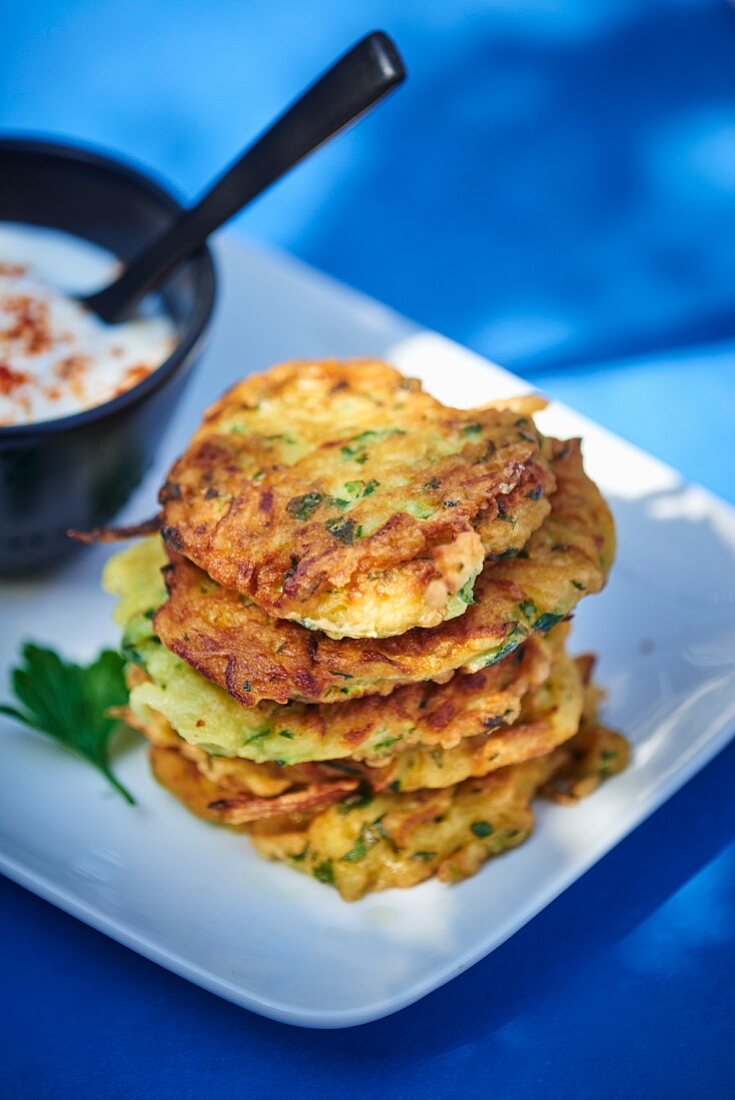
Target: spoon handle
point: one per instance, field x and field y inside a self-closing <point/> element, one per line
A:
<point x="353" y="84"/>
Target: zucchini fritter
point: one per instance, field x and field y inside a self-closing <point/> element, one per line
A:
<point x="342" y="496"/>
<point x="550" y="714"/>
<point x="233" y="643"/>
<point x="403" y="839"/>
<point x="370" y="729"/>
<point x="363" y="843"/>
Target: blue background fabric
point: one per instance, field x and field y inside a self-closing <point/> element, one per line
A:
<point x="555" y="187"/>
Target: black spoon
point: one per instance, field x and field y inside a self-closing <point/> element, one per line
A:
<point x="354" y="83"/>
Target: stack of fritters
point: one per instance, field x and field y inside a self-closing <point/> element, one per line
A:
<point x="349" y="639"/>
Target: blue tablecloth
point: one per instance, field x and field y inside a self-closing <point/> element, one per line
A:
<point x="556" y="182"/>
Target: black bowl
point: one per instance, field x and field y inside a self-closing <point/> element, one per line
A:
<point x="77" y="471"/>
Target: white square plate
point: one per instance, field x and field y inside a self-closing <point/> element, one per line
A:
<point x="197" y="899"/>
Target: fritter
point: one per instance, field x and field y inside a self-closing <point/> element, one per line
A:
<point x="362" y="843"/>
<point x="342" y="496"/>
<point x="370" y="729"/>
<point x="550" y="715"/>
<point x="233" y="643"/>
<point x="400" y="840"/>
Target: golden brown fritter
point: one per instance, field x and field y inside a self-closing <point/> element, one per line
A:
<point x="342" y="496"/>
<point x="229" y="640"/>
<point x="399" y="840"/>
<point x="550" y="714"/>
<point x="371" y="728"/>
<point x="362" y="843"/>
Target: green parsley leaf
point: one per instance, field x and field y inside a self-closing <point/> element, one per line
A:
<point x="358" y="489"/>
<point x="357" y="852"/>
<point x="385" y="744"/>
<point x="304" y="507"/>
<point x="324" y="872"/>
<point x="357" y="446"/>
<point x="260" y="736"/>
<point x="368" y="837"/>
<point x="70" y="703"/>
<point x="607" y="756"/>
<point x="545" y="622"/>
<point x="482" y="828"/>
<point x="346" y="530"/>
<point x="513" y="640"/>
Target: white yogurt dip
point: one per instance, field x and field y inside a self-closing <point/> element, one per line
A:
<point x="57" y="358"/>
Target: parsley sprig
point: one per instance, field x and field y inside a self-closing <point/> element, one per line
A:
<point x="70" y="703"/>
